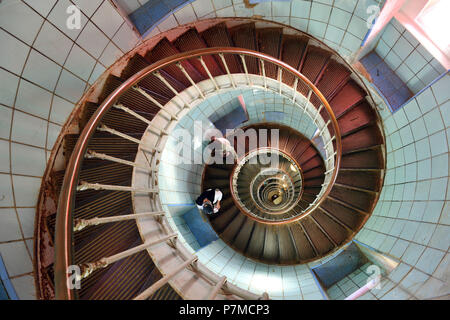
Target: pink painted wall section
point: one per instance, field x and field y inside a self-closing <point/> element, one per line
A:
<point x="412" y="26"/>
<point x="388" y="12"/>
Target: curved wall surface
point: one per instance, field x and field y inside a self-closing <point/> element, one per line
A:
<point x="341" y="24"/>
<point x="45" y="68"/>
<point x="411" y="221"/>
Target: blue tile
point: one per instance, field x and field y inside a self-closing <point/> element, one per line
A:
<point x="202" y="231"/>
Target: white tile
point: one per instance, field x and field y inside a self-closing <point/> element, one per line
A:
<point x="16" y="258"/>
<point x="220" y="4"/>
<point x="61" y="109"/>
<point x="41" y="6"/>
<point x="167" y="24"/>
<point x="426" y="100"/>
<point x="110" y="55"/>
<point x="130" y="5"/>
<point x="41" y="70"/>
<point x="92" y="40"/>
<point x="52" y="135"/>
<point x="320" y="12"/>
<point x="351" y="42"/>
<point x="24" y="287"/>
<point x="26" y="190"/>
<point x="415" y="62"/>
<point x="30" y="22"/>
<point x="358" y="27"/>
<point x="5" y="121"/>
<point x="441" y="237"/>
<point x="8" y="87"/>
<point x="280" y="9"/>
<point x="347" y="5"/>
<point x="53" y="43"/>
<point x="27" y="160"/>
<point x="70" y="87"/>
<point x="80" y="63"/>
<point x="107" y="19"/>
<point x="33" y="99"/>
<point x="96" y="73"/>
<point x="28" y="129"/>
<point x="414" y="280"/>
<point x="440" y="89"/>
<point x="13" y="53"/>
<point x="125" y="38"/>
<point x="340" y="18"/>
<point x="87" y="6"/>
<point x="9" y="228"/>
<point x="60" y="18"/>
<point x="317" y="29"/>
<point x="185" y="15"/>
<point x="4" y="156"/>
<point x="429" y="260"/>
<point x="202" y="7"/>
<point x="26" y="217"/>
<point x="413" y="253"/>
<point x="438" y="143"/>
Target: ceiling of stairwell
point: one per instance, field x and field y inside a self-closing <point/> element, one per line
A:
<point x="45" y="68"/>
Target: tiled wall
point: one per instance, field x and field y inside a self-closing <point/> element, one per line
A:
<point x="341" y="24"/>
<point x="280" y="282"/>
<point x="411" y="221"/>
<point x="349" y="284"/>
<point x="409" y="59"/>
<point x="44" y="70"/>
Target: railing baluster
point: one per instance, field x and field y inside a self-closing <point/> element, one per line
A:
<point x="125" y="136"/>
<point x="328" y="143"/>
<point x="80" y="224"/>
<point x="208" y="73"/>
<point x="137" y="115"/>
<point x="294" y="88"/>
<point x="161" y="282"/>
<point x="98" y="186"/>
<point x="245" y="69"/>
<point x="318" y="113"/>
<point x="263" y="69"/>
<point x="324" y="127"/>
<point x="331" y="156"/>
<point x="105" y="128"/>
<point x="90" y="154"/>
<point x="280" y="78"/>
<point x="215" y="290"/>
<point x="183" y="70"/>
<point x="149" y="97"/>
<point x="88" y="268"/>
<point x="227" y="69"/>
<point x="308" y="99"/>
<point x="160" y="77"/>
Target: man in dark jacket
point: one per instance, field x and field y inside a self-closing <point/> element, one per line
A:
<point x="209" y="201"/>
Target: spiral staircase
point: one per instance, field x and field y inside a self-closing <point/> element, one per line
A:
<point x="95" y="224"/>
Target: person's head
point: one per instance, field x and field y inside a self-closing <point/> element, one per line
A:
<point x="208" y="208"/>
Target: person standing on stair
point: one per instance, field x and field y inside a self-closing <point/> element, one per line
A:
<point x="209" y="201"/>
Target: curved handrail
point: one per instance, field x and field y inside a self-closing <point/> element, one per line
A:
<point x="64" y="219"/>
